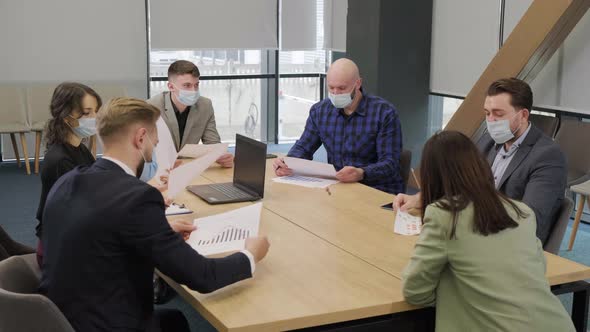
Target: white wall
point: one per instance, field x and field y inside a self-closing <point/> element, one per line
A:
<point x="465" y="37"/>
<point x="86" y="41"/>
<point x="206" y="24"/>
<point x="545" y="89"/>
<point x="563" y="82"/>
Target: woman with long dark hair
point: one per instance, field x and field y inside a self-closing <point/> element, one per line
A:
<point x="477" y="258"/>
<point x="73" y="114"/>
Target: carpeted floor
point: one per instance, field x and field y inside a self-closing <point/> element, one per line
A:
<point x="19" y="198"/>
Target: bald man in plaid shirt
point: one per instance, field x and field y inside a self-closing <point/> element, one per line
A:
<point x="361" y="133"/>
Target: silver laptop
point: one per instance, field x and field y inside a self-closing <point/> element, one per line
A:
<point x="249" y="173"/>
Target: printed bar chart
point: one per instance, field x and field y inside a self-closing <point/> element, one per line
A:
<point x="226" y="232"/>
<point x="229" y="234"/>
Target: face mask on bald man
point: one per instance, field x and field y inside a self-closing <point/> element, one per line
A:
<point x="342" y="100"/>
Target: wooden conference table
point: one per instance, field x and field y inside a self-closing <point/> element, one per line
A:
<point x="334" y="264"/>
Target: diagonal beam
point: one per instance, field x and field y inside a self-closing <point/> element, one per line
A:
<point x="540" y="32"/>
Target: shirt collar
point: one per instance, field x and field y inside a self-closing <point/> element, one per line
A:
<point x="360" y="109"/>
<point x="120" y="164"/>
<point x="516" y="143"/>
<point x="523" y="136"/>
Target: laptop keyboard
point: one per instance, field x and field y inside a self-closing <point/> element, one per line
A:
<point x="230" y="191"/>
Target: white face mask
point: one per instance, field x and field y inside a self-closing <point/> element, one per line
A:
<point x="500" y="130"/>
<point x="342" y="100"/>
<point x="188" y="97"/>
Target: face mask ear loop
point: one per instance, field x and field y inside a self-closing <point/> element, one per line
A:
<point x="520" y="125"/>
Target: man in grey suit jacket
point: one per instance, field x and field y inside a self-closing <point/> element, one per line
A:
<point x="188" y="115"/>
<point x="527" y="165"/>
<point x="536" y="175"/>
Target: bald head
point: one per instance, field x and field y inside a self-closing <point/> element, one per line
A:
<point x="343" y="77"/>
<point x="344" y="69"/>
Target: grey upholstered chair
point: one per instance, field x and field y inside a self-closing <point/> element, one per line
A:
<point x="21" y="308"/>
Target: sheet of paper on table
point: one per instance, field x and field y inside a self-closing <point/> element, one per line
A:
<point x="406" y="224"/>
<point x="175" y="209"/>
<point x="183" y="175"/>
<point x="312" y="168"/>
<point x="305" y="181"/>
<point x="227" y="231"/>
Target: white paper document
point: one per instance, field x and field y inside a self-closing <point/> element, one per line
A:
<point x="305" y="181"/>
<point x="310" y="168"/>
<point x="406" y="224"/>
<point x="226" y="231"/>
<point x="183" y="175"/>
<point x="175" y="209"/>
<point x="165" y="150"/>
<point x="198" y="150"/>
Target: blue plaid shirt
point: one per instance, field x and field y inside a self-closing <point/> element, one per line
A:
<point x="370" y="138"/>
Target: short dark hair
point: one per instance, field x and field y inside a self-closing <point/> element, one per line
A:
<point x="67" y="98"/>
<point x="521" y="95"/>
<point x="182" y="67"/>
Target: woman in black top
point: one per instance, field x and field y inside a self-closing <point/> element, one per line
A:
<point x="73" y="109"/>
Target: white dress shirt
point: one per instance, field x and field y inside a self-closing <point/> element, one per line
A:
<point x="503" y="158"/>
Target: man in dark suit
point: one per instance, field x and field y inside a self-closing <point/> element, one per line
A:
<point x="527" y="165"/>
<point x="106" y="231"/>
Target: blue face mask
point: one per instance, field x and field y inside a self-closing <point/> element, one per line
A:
<point x="188" y="97"/>
<point x="86" y="127"/>
<point x="149" y="169"/>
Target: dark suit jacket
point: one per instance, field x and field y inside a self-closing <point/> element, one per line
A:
<point x="536" y="175"/>
<point x="104" y="233"/>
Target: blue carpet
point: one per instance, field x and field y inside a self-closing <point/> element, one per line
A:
<point x="19" y="199"/>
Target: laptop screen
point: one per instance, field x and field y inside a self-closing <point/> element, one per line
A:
<point x="250" y="164"/>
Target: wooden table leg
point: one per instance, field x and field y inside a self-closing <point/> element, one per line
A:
<point x="23" y="141"/>
<point x="15" y="149"/>
<point x="37" y="150"/>
<point x="577" y="221"/>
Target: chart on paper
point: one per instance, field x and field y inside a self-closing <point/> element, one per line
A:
<point x="227" y="231"/>
<point x="229" y="234"/>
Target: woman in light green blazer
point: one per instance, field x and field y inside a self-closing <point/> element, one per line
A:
<point x="477" y="258"/>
